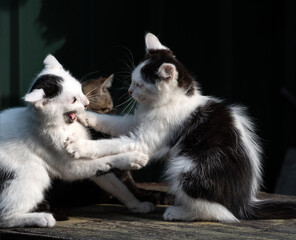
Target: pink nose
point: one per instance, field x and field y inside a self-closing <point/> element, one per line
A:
<point x="130" y="92"/>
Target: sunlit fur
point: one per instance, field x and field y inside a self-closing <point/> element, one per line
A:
<point x="32" y="150"/>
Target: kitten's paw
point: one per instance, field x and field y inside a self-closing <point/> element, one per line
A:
<point x="43" y="220"/>
<point x="131" y="161"/>
<point x="83" y="118"/>
<point x="49" y="220"/>
<point x="177" y="213"/>
<point x="75" y="147"/>
<point x="143" y="207"/>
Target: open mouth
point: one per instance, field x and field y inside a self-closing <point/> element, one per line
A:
<point x="70" y="117"/>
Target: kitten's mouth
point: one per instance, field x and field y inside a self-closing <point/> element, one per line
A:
<point x="70" y="117"/>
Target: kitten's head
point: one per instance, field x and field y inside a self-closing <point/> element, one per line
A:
<point x="55" y="93"/>
<point x="160" y="75"/>
<point x="96" y="90"/>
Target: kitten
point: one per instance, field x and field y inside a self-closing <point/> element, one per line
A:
<point x="96" y="90"/>
<point x="213" y="154"/>
<point x="32" y="150"/>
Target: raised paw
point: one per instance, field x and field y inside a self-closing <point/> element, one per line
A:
<point x="143" y="207"/>
<point x="74" y="147"/>
<point x="131" y="161"/>
<point x="83" y="119"/>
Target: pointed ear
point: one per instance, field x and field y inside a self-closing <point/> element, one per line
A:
<point x="108" y="82"/>
<point x="51" y="62"/>
<point x="167" y="71"/>
<point x="35" y="97"/>
<point x="152" y="42"/>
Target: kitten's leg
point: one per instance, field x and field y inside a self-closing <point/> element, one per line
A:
<point x="197" y="209"/>
<point x="29" y="220"/>
<point x="109" y="124"/>
<point x="188" y="208"/>
<point x="21" y="195"/>
<point x="84" y="148"/>
<point x="113" y="185"/>
<point x="76" y="169"/>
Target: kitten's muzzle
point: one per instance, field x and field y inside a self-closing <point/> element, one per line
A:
<point x="70" y="117"/>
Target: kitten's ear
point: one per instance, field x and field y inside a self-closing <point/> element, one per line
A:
<point x="167" y="71"/>
<point x="35" y="97"/>
<point x="51" y="62"/>
<point x="108" y="82"/>
<point x="152" y="42"/>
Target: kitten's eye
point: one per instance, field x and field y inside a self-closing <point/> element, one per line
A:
<point x="74" y="99"/>
<point x="138" y="85"/>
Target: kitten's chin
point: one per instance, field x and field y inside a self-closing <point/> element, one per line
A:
<point x="138" y="99"/>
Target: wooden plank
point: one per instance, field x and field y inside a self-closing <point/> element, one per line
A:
<point x="114" y="221"/>
<point x="109" y="221"/>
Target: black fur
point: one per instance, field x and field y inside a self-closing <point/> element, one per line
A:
<point x="5" y="178"/>
<point x="222" y="171"/>
<point x="51" y="85"/>
<point x="156" y="58"/>
<point x="274" y="209"/>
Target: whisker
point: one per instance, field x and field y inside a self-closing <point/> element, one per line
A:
<point x="88" y="74"/>
<point x="128" y="105"/>
<point x="124" y="102"/>
<point x="90" y="91"/>
<point x="131" y="107"/>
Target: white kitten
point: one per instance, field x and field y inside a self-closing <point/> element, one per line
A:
<point x="32" y="150"/>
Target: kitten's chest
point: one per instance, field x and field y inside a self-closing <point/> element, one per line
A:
<point x="58" y="135"/>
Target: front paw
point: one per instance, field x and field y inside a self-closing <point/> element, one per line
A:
<point x="75" y="147"/>
<point x="83" y="118"/>
<point x="131" y="161"/>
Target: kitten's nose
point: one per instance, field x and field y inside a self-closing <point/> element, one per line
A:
<point x="86" y="103"/>
<point x="130" y="92"/>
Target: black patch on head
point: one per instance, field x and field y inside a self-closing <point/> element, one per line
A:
<point x="156" y="58"/>
<point x="51" y="85"/>
<point x="222" y="171"/>
<point x="5" y="178"/>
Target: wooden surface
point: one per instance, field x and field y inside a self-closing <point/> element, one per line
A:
<point x="106" y="221"/>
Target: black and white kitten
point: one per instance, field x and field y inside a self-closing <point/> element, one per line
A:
<point x="32" y="150"/>
<point x="214" y="156"/>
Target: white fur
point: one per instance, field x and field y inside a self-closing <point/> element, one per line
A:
<point x="189" y="209"/>
<point x="244" y="125"/>
<point x="152" y="42"/>
<point x="32" y="142"/>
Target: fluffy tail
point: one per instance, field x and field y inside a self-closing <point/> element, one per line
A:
<point x="274" y="209"/>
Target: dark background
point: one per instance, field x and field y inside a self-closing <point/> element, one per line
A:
<point x="243" y="51"/>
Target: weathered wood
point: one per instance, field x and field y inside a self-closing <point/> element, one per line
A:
<point x="115" y="222"/>
<point x="111" y="221"/>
